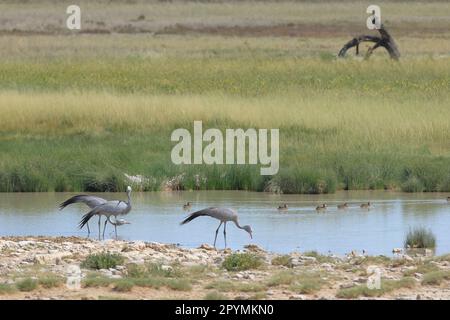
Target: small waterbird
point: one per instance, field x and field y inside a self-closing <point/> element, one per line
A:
<point x="109" y="208"/>
<point x="448" y="199"/>
<point x="284" y="207"/>
<point x="365" y="205"/>
<point x="224" y="215"/>
<point x="342" y="206"/>
<point x="117" y="222"/>
<point x="322" y="207"/>
<point x="187" y="206"/>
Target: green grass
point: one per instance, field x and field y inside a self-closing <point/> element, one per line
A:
<point x="103" y="260"/>
<point x="6" y="288"/>
<point x="282" y="278"/>
<point x="27" y="285"/>
<point x="242" y="261"/>
<point x="124" y="285"/>
<point x="154" y="275"/>
<point x="228" y="286"/>
<point x="50" y="281"/>
<point x="420" y="238"/>
<point x="435" y="277"/>
<point x="284" y="260"/>
<point x="79" y="112"/>
<point x="387" y="286"/>
<point x="422" y="269"/>
<point x="304" y="282"/>
<point x="319" y="257"/>
<point x="215" y="296"/>
<point x="393" y="136"/>
<point x="97" y="281"/>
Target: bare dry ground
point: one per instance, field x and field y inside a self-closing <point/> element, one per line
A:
<point x="36" y="268"/>
<point x="243" y="18"/>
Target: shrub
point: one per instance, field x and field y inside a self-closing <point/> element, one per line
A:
<point x="102" y="261"/>
<point x="95" y="281"/>
<point x="27" y="284"/>
<point x="242" y="261"/>
<point x="282" y="278"/>
<point x="6" y="288"/>
<point x="386" y="286"/>
<point x="124" y="285"/>
<point x="420" y="238"/>
<point x="215" y="296"/>
<point x="435" y="277"/>
<point x="50" y="281"/>
<point x="284" y="260"/>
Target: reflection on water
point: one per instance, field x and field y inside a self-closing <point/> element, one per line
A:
<point x="156" y="216"/>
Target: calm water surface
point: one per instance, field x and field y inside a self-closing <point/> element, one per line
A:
<point x="156" y="215"/>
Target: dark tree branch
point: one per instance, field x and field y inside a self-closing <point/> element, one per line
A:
<point x="385" y="41"/>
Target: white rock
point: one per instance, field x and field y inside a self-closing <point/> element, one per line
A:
<point x="51" y="258"/>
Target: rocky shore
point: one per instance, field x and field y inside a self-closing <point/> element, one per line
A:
<point x="42" y="267"/>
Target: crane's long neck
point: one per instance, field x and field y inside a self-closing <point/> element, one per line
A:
<point x="129" y="198"/>
<point x="236" y="222"/>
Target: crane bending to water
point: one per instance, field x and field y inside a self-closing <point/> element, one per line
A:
<point x="224" y="215"/>
<point x="109" y="208"/>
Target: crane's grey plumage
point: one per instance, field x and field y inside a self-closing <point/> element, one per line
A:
<point x="117" y="222"/>
<point x="90" y="201"/>
<point x="224" y="215"/>
<point x="109" y="208"/>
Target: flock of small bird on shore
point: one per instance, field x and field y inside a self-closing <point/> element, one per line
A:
<point x="119" y="208"/>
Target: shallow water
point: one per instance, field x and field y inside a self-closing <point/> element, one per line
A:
<point x="155" y="217"/>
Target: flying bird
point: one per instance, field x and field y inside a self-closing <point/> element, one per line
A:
<point x="224" y="215"/>
<point x="108" y="209"/>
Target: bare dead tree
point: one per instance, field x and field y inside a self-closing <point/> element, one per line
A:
<point x="386" y="41"/>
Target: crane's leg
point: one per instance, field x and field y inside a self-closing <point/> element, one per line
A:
<point x="115" y="230"/>
<point x="99" y="228"/>
<point x="89" y="230"/>
<point x="225" y="233"/>
<point x="104" y="228"/>
<point x="217" y="231"/>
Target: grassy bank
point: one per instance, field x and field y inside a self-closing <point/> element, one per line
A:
<point x="343" y="124"/>
<point x="80" y="111"/>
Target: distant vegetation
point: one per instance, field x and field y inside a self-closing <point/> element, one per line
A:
<point x="77" y="113"/>
<point x="420" y="238"/>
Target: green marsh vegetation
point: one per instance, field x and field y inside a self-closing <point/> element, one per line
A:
<point x="420" y="238"/>
<point x="387" y="286"/>
<point x="78" y="112"/>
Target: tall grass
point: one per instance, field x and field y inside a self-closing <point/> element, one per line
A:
<point x="80" y="125"/>
<point x="420" y="238"/>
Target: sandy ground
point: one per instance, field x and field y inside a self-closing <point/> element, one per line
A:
<point x="324" y="277"/>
